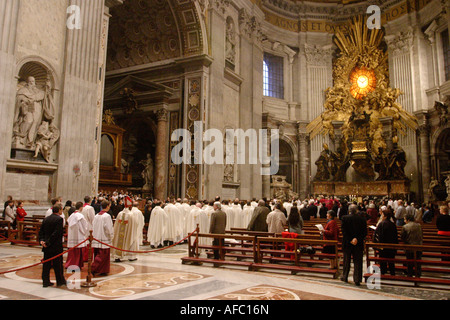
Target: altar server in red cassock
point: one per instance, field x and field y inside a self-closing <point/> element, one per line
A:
<point x="77" y="232"/>
<point x="103" y="231"/>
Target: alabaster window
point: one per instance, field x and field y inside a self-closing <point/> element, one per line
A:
<point x="446" y="49"/>
<point x="273" y="76"/>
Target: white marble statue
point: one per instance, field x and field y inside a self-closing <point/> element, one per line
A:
<point x="33" y="105"/>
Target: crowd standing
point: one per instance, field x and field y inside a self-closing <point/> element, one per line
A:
<point x="117" y="219"/>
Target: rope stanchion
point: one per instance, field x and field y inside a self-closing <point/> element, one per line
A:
<point x="88" y="283"/>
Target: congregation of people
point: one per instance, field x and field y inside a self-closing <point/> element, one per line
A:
<point x="117" y="220"/>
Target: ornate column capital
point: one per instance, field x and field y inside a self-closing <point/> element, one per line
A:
<point x="219" y="5"/>
<point x="250" y="27"/>
<point x="401" y="42"/>
<point x="316" y="55"/>
<point x="162" y="114"/>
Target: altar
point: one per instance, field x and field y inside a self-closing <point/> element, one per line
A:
<point x="370" y="188"/>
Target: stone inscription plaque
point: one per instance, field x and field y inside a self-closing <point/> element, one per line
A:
<point x="28" y="187"/>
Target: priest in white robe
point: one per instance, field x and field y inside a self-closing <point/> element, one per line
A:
<point x="237" y="215"/>
<point x="186" y="209"/>
<point x="103" y="230"/>
<point x="89" y="214"/>
<point x="127" y="234"/>
<point x="197" y="216"/>
<point x="247" y="213"/>
<point x="209" y="209"/>
<point x="174" y="229"/>
<point x="157" y="226"/>
<point x="77" y="232"/>
<point x="230" y="217"/>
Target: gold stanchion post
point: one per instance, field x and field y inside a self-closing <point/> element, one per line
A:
<point x="89" y="283"/>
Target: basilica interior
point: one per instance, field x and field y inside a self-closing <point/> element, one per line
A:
<point x="357" y="91"/>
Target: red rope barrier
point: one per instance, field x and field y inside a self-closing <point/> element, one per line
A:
<point x="64" y="252"/>
<point x="44" y="261"/>
<point x="147" y="251"/>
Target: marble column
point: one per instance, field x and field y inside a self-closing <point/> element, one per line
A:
<point x="80" y="96"/>
<point x="161" y="154"/>
<point x="425" y="168"/>
<point x="302" y="139"/>
<point x="9" y="14"/>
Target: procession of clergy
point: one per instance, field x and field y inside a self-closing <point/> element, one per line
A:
<point x="121" y="238"/>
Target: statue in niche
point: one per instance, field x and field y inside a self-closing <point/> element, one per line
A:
<point x="228" y="173"/>
<point x="323" y="165"/>
<point x="340" y="163"/>
<point x="147" y="173"/>
<point x="124" y="167"/>
<point x="396" y="162"/>
<point x="433" y="183"/>
<point x="230" y="49"/>
<point x="447" y="186"/>
<point x="33" y="105"/>
<point x="46" y="137"/>
<point x="381" y="164"/>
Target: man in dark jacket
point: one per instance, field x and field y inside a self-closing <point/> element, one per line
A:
<point x="354" y="231"/>
<point x="50" y="238"/>
<point x="258" y="221"/>
<point x="217" y="226"/>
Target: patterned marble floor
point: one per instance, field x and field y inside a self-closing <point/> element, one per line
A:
<point x="161" y="276"/>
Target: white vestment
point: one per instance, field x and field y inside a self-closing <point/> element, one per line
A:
<point x="89" y="214"/>
<point x="230" y="218"/>
<point x="247" y="213"/>
<point x="238" y="216"/>
<point x="209" y="211"/>
<point x="185" y="209"/>
<point x="77" y="231"/>
<point x="157" y="226"/>
<point x="103" y="230"/>
<point x="128" y="230"/>
<point x="198" y="216"/>
<point x="174" y="229"/>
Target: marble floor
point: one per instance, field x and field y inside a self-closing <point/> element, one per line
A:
<point x="161" y="276"/>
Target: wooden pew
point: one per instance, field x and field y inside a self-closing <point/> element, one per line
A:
<point x="194" y="250"/>
<point x="27" y="233"/>
<point x="5" y="230"/>
<point x="433" y="262"/>
<point x="296" y="261"/>
<point x="261" y="250"/>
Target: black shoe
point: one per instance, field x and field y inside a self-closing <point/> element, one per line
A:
<point x="344" y="280"/>
<point x="117" y="260"/>
<point x="357" y="284"/>
<point x="48" y="284"/>
<point x="132" y="259"/>
<point x="61" y="284"/>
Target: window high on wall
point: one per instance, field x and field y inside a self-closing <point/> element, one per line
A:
<point x="273" y="76"/>
<point x="446" y="49"/>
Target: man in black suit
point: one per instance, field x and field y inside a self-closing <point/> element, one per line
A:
<point x="354" y="231"/>
<point x="50" y="238"/>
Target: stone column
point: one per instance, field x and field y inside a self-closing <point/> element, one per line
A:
<point x="8" y="84"/>
<point x="81" y="101"/>
<point x="161" y="154"/>
<point x="425" y="168"/>
<point x="302" y="139"/>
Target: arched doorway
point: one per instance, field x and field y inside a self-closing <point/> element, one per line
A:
<point x="441" y="163"/>
<point x="286" y="162"/>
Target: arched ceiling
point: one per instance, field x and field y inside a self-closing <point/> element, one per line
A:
<point x="146" y="31"/>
